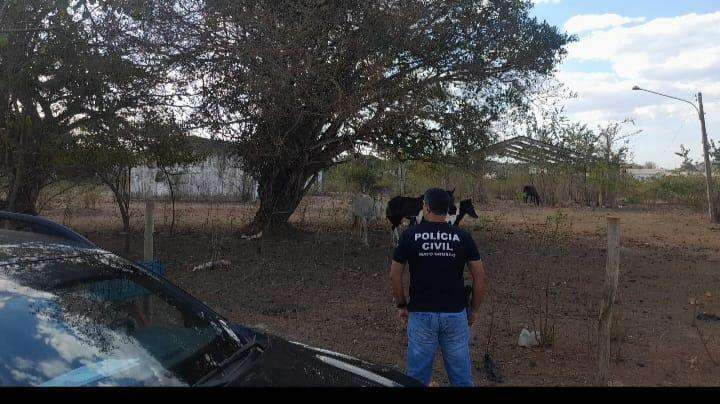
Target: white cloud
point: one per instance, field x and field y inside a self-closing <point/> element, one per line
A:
<point x="677" y="55"/>
<point x="589" y="22"/>
<point x="679" y="48"/>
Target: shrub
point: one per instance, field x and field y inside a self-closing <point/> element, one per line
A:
<point x="687" y="190"/>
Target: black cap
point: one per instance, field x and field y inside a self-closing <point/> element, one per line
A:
<point x="438" y="201"/>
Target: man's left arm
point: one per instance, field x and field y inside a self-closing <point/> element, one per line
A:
<point x="477" y="271"/>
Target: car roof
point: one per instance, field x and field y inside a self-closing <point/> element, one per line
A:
<point x="39" y="225"/>
<point x="15" y="236"/>
<point x="21" y="246"/>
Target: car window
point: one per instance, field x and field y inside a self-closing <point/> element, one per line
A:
<point x="98" y="322"/>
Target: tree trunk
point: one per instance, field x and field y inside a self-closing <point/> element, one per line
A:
<point x="280" y="194"/>
<point x="124" y="205"/>
<point x="24" y="192"/>
<point x="172" y="196"/>
<point x="125" y="215"/>
<point x="478" y="170"/>
<point x="118" y="182"/>
<point x="401" y="175"/>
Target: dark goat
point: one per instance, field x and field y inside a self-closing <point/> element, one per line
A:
<point x="403" y="207"/>
<point x="466" y="208"/>
<point x="530" y="193"/>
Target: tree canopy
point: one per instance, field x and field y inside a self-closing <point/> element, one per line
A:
<point x="298" y="83"/>
<point x="67" y="69"/>
<point x="294" y="83"/>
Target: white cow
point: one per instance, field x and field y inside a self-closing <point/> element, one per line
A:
<point x="363" y="210"/>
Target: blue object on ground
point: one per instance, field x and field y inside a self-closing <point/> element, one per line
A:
<point x="155" y="266"/>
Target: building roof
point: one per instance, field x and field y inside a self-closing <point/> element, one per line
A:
<point x="525" y="149"/>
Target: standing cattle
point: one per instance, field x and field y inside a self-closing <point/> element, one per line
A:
<point x="399" y="208"/>
<point x="403" y="207"/>
<point x="466" y="208"/>
<point x="531" y="194"/>
<point x="363" y="210"/>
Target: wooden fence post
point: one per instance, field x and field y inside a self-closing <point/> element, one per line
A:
<point x="612" y="271"/>
<point x="149" y="229"/>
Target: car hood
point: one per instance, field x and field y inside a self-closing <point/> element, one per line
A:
<point x="286" y="363"/>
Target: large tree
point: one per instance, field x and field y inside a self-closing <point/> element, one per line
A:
<point x="298" y="83"/>
<point x="64" y="66"/>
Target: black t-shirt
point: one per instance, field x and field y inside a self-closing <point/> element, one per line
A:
<point x="437" y="254"/>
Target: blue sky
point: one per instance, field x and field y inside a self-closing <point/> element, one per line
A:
<point x="558" y="13"/>
<point x="671" y="46"/>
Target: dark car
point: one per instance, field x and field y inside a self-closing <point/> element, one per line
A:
<point x="72" y="314"/>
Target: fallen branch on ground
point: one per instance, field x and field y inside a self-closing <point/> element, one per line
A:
<point x="221" y="264"/>
<point x="253" y="237"/>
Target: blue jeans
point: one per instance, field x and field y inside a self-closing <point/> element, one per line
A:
<point x="448" y="330"/>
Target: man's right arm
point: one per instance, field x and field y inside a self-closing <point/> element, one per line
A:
<point x="397" y="270"/>
<point x="477" y="271"/>
<point x="400" y="257"/>
<point x="396" y="279"/>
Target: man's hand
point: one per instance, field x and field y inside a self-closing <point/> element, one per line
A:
<point x="402" y="315"/>
<point x="472" y="318"/>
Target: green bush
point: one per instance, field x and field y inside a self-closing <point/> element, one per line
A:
<point x="686" y="190"/>
<point x="677" y="189"/>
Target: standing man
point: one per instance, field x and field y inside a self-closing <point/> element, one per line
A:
<point x="436" y="313"/>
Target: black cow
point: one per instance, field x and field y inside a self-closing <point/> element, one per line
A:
<point x="403" y="207"/>
<point x="466" y="208"/>
<point x="531" y="194"/>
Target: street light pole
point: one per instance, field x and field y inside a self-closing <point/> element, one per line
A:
<point x="708" y="168"/>
<point x="710" y="189"/>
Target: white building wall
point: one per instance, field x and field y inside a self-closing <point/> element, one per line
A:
<point x="644" y="174"/>
<point x="214" y="178"/>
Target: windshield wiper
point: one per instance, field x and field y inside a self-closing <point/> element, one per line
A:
<point x="224" y="365"/>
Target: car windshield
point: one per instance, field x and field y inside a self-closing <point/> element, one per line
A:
<point x="97" y="321"/>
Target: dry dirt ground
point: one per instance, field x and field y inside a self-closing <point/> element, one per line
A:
<point x="544" y="265"/>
